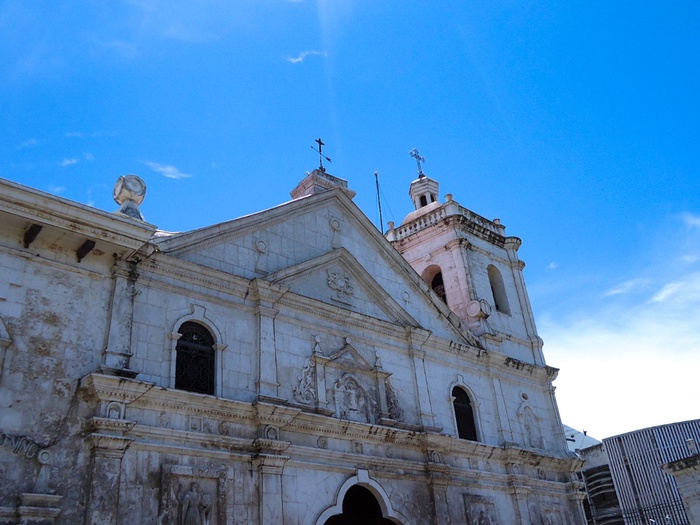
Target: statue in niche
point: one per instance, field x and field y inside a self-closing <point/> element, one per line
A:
<point x="195" y="506"/>
<point x="305" y="391"/>
<point x="480" y="511"/>
<point x="531" y="428"/>
<point x="350" y="400"/>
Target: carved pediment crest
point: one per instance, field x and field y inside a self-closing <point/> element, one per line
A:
<point x="341" y="283"/>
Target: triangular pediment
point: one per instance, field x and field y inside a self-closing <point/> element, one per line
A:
<point x="348" y="357"/>
<point x="338" y="278"/>
<point x="323" y="247"/>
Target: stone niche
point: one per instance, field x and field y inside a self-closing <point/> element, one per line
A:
<point x="193" y="495"/>
<point x="481" y="510"/>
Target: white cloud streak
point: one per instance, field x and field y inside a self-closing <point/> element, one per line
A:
<point x="28" y="143"/>
<point x="303" y="55"/>
<point x="168" y="171"/>
<point x="630" y="360"/>
<point x="68" y="162"/>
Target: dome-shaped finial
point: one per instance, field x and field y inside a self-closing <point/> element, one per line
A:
<point x="129" y="192"/>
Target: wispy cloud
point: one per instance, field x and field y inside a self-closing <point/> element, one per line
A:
<point x="552" y="266"/>
<point x="303" y="55"/>
<point x="170" y="172"/>
<point x="632" y="285"/>
<point x="57" y="189"/>
<point x="28" y="144"/>
<point x="83" y="135"/>
<point x="629" y="359"/>
<point x="68" y="162"/>
<point x="691" y="220"/>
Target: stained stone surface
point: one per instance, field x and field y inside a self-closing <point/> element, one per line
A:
<point x="334" y="364"/>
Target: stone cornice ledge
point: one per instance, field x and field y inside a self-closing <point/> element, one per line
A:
<point x="51" y="210"/>
<point x="113" y="388"/>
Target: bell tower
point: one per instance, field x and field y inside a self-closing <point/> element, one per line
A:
<point x="472" y="266"/>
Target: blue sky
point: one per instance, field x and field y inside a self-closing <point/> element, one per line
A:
<point x="576" y="123"/>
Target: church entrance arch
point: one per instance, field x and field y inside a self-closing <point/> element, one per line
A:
<point x="361" y="501"/>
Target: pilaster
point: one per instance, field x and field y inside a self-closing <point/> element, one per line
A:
<point x="265" y="296"/>
<point x="117" y="352"/>
<point x="270" y="468"/>
<point x="512" y="245"/>
<point x="103" y="499"/>
<point x="416" y="338"/>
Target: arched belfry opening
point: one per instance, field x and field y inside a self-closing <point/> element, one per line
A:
<point x="360" y="507"/>
<point x="432" y="275"/>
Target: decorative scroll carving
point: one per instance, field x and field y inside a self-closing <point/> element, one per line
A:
<point x="271" y="432"/>
<point x="305" y="391"/>
<point x="341" y="283"/>
<point x="395" y="411"/>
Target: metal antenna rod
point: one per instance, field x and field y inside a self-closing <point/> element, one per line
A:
<point x="379" y="203"/>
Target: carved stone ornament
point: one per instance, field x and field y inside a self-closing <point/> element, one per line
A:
<point x="341" y="283"/>
<point x="351" y="401"/>
<point x="392" y="402"/>
<point x="480" y="510"/>
<point x="193" y="496"/>
<point x="305" y="390"/>
<point x="129" y="192"/>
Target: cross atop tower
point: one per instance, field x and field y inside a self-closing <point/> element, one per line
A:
<point x="321" y="156"/>
<point x="416" y="155"/>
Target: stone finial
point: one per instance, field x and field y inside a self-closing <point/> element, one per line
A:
<point x="318" y="182"/>
<point x="129" y="192"/>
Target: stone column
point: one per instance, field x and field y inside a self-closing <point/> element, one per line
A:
<point x="464" y="281"/>
<point x="267" y="381"/>
<point x="520" y="494"/>
<point x="270" y="468"/>
<point x="121" y="314"/>
<point x="416" y="337"/>
<point x="504" y="429"/>
<point x="516" y="265"/>
<point x="439" y="480"/>
<point x="266" y="294"/>
<point x="103" y="503"/>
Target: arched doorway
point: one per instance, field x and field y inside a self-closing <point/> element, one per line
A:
<point x="360" y="507"/>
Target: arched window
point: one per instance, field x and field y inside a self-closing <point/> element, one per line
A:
<point x="498" y="290"/>
<point x="438" y="287"/>
<point x="195" y="364"/>
<point x="464" y="414"/>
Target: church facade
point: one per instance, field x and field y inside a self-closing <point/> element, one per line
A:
<point x="293" y="366"/>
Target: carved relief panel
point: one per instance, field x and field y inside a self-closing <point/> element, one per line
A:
<point x="345" y="385"/>
<point x="480" y="510"/>
<point x="193" y="496"/>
